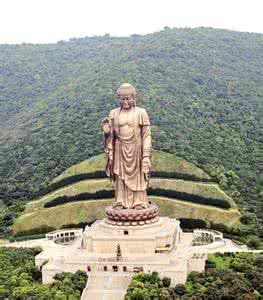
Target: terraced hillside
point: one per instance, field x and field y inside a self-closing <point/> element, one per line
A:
<point x="80" y="194"/>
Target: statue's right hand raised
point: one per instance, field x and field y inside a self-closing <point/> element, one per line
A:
<point x="105" y="126"/>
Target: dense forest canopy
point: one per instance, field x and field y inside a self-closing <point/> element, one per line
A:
<point x="227" y="276"/>
<point x="20" y="279"/>
<point x="202" y="88"/>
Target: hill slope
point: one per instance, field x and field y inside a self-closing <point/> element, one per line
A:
<point x="92" y="186"/>
<point x="202" y="88"/>
<point x="74" y="199"/>
<point x="161" y="162"/>
<point x="85" y="211"/>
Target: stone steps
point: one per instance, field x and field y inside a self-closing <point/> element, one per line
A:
<point x="106" y="286"/>
<point x="104" y="295"/>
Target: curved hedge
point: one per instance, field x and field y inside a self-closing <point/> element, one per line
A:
<point x="70" y="180"/>
<point x="78" y="225"/>
<point x="174" y="175"/>
<point x="101" y="174"/>
<point x="221" y="203"/>
<point x="186" y="223"/>
<point x="105" y="194"/>
<point x="34" y="231"/>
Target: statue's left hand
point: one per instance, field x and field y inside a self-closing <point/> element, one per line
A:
<point x="146" y="165"/>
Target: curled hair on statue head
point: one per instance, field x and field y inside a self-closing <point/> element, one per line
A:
<point x="127" y="87"/>
<point x="131" y="90"/>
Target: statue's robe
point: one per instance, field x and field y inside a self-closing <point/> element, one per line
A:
<point x="128" y="151"/>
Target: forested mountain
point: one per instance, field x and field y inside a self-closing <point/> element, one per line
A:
<point x="202" y="88"/>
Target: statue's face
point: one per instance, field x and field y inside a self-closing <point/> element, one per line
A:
<point x="126" y="99"/>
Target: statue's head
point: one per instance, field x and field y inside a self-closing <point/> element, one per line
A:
<point x="126" y="94"/>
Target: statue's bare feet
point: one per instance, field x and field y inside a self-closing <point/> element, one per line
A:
<point x="118" y="206"/>
<point x="139" y="206"/>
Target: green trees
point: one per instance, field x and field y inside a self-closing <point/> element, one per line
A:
<point x="148" y="286"/>
<point x="231" y="276"/>
<point x="166" y="282"/>
<point x="180" y="290"/>
<point x="248" y="218"/>
<point x="227" y="276"/>
<point x="19" y="278"/>
<point x="253" y="242"/>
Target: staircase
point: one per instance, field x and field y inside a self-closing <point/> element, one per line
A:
<point x="106" y="286"/>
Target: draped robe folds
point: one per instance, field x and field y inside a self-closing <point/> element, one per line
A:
<point x="128" y="152"/>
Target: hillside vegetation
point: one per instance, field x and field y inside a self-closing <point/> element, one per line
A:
<point x="21" y="279"/>
<point x="86" y="211"/>
<point x="230" y="276"/>
<point x="202" y="88"/>
<point x="162" y="162"/>
<point x="208" y="191"/>
<point x="226" y="276"/>
<point x="85" y="200"/>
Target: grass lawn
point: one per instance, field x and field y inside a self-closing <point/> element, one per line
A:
<point x="85" y="211"/>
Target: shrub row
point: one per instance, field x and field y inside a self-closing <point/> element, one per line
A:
<point x="221" y="203"/>
<point x="187" y="223"/>
<point x="174" y="175"/>
<point x="27" y="237"/>
<point x="102" y="194"/>
<point x="70" y="180"/>
<point x="78" y="225"/>
<point x="39" y="230"/>
<point x="152" y="191"/>
<point x="101" y="174"/>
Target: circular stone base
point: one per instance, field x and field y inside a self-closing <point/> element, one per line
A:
<point x="132" y="217"/>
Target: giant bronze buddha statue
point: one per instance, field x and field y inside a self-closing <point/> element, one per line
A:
<point x="127" y="144"/>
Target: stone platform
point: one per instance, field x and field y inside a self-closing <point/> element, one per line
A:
<point x="103" y="238"/>
<point x="159" y="246"/>
<point x="110" y="275"/>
